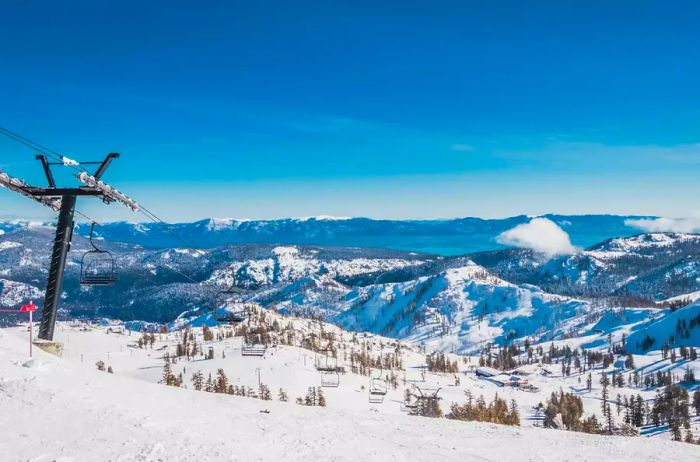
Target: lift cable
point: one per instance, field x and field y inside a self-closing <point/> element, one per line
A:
<point x="60" y="158"/>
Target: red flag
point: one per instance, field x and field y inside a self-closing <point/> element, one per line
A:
<point x="27" y="308"/>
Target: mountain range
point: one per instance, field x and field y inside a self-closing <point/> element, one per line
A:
<point x="447" y="302"/>
<point x="442" y="237"/>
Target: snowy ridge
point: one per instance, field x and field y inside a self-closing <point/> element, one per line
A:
<point x="647" y="241"/>
<point x="459" y="310"/>
<point x="288" y="264"/>
<point x="653" y="266"/>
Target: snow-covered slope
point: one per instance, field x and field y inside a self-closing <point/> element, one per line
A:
<point x="654" y="266"/>
<point x="460" y="309"/>
<point x="291" y="263"/>
<point x="64" y="409"/>
<point x="14" y="293"/>
<point x="157" y="285"/>
<point x="679" y="328"/>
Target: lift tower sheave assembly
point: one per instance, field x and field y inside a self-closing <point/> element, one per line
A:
<point x="63" y="201"/>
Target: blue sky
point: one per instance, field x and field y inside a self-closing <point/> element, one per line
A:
<point x="381" y="109"/>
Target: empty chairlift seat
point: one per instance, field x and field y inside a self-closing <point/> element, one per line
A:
<point x="377" y="390"/>
<point x="224" y="316"/>
<point x="330" y="379"/>
<point x="253" y="350"/>
<point x="97" y="266"/>
<point x="253" y="347"/>
<point x="232" y="309"/>
<point x="326" y="363"/>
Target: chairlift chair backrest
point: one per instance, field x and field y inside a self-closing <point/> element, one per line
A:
<point x="377" y="386"/>
<point x="377" y="390"/>
<point x="226" y="299"/>
<point x="330" y="379"/>
<point x="97" y="266"/>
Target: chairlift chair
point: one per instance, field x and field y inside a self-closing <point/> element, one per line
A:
<point x="330" y="379"/>
<point x="252" y="348"/>
<point x="325" y="362"/>
<point x="232" y="317"/>
<point x="409" y="404"/>
<point x="97" y="266"/>
<point x="327" y="365"/>
<point x="377" y="389"/>
<point x="231" y="296"/>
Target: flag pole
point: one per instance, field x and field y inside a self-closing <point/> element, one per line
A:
<point x="30" y="330"/>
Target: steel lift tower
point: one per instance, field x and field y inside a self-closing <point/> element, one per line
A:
<point x="62" y="200"/>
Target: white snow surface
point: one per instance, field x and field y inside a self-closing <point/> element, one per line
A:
<point x="64" y="409"/>
<point x="459" y="310"/>
<point x="4" y="245"/>
<point x="288" y="264"/>
<point x="652" y="240"/>
<point x="12" y="293"/>
<point x="692" y="296"/>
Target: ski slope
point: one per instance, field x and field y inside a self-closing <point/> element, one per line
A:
<point x="64" y="409"/>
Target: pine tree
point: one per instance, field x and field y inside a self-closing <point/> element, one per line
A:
<point x="264" y="392"/>
<point x="168" y="377"/>
<point x="310" y="399"/>
<point x="591" y="425"/>
<point x="250" y="393"/>
<point x="689" y="376"/>
<point x="282" y="396"/>
<point x="514" y="415"/>
<point x="610" y="420"/>
<point x="604" y="381"/>
<point x="207" y="334"/>
<point x="675" y="430"/>
<point x="198" y="380"/>
<point x="221" y="385"/>
<point x="689" y="437"/>
<point x="638" y="414"/>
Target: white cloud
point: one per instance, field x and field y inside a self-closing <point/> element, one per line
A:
<point x="660" y="225"/>
<point x="541" y="235"/>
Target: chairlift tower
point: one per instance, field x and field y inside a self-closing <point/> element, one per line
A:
<point x="62" y="200"/>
